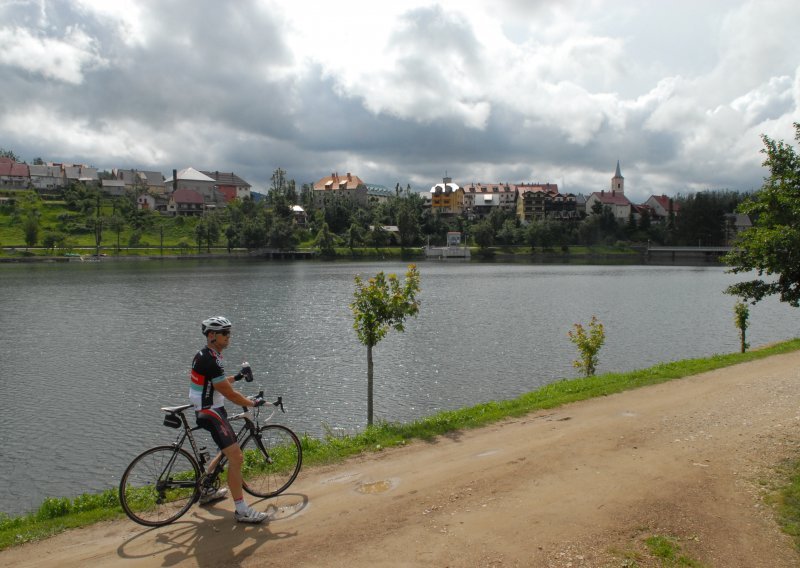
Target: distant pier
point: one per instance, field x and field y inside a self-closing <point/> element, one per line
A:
<point x="698" y="254"/>
<point x="276" y="254"/>
<point x="442" y="253"/>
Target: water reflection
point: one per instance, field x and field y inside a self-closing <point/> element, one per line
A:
<point x="93" y="350"/>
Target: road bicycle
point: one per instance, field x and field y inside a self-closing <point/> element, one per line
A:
<point x="162" y="483"/>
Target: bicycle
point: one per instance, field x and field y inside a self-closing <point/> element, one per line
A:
<point x="162" y="483"/>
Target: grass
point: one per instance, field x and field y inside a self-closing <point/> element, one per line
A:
<point x="58" y="514"/>
<point x="668" y="551"/>
<point x="787" y="500"/>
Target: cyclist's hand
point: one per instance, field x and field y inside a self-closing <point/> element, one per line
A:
<point x="259" y="402"/>
<point x="245" y="373"/>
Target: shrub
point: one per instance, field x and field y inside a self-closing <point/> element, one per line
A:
<point x="589" y="344"/>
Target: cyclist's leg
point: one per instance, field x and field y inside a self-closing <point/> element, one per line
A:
<point x="234" y="455"/>
<point x="215" y="421"/>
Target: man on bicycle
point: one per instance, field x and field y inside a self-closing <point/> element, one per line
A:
<point x="208" y="390"/>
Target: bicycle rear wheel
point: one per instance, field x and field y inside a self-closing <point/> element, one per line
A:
<point x="272" y="460"/>
<point x="159" y="486"/>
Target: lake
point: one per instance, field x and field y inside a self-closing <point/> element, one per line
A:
<point x="95" y="349"/>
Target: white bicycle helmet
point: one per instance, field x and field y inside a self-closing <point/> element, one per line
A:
<point x="216" y="323"/>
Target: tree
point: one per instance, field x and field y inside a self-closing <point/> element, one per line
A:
<point x="53" y="239"/>
<point x="282" y="235"/>
<point x="740" y="316"/>
<point x="771" y="246"/>
<point x="324" y="241"/>
<point x="8" y="154"/>
<point x="354" y="237"/>
<point x="382" y="303"/>
<point x="28" y="211"/>
<point x="703" y="218"/>
<point x="508" y="233"/>
<point x="484" y="234"/>
<point x="30" y="226"/>
<point x="116" y="223"/>
<point x="408" y="223"/>
<point x="589" y="344"/>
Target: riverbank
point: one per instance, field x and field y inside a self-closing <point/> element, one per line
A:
<point x="573" y="255"/>
<point x="57" y="515"/>
<point x="680" y="472"/>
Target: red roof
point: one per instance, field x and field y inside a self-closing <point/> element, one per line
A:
<point x="663" y="200"/>
<point x="9" y="167"/>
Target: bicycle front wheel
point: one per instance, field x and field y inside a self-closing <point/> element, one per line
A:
<point x="272" y="460"/>
<point x="159" y="486"/>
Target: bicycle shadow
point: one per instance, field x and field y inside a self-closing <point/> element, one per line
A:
<point x="211" y="537"/>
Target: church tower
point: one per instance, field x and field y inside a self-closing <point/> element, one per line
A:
<point x="618" y="182"/>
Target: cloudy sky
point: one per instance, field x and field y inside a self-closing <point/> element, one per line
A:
<point x="679" y="91"/>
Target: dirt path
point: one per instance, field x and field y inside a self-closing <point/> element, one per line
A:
<point x="583" y="485"/>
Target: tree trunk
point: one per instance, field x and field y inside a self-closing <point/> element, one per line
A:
<point x="369" y="385"/>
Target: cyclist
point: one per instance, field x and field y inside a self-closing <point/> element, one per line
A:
<point x="208" y="390"/>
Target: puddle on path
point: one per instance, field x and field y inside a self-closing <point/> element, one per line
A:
<point x="375" y="487"/>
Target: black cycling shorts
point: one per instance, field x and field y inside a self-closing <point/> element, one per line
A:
<point x="215" y="420"/>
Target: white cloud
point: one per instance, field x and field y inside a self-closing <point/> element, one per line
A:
<point x="678" y="91"/>
<point x="125" y="16"/>
<point x="64" y="59"/>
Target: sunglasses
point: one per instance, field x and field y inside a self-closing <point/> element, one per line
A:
<point x="226" y="332"/>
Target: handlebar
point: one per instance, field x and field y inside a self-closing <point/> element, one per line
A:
<point x="260" y="396"/>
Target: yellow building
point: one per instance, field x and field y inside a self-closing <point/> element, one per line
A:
<point x="447" y="198"/>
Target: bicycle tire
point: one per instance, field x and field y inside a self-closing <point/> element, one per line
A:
<point x="154" y="503"/>
<point x="272" y="460"/>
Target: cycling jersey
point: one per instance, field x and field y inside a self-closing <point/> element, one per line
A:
<point x="207" y="370"/>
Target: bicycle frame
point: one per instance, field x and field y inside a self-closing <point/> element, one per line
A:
<point x="161" y="483"/>
<point x="202" y="456"/>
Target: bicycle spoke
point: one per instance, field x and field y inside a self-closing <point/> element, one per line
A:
<point x="272" y="460"/>
<point x="159" y="486"/>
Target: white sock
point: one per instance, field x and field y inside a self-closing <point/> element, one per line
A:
<point x="241" y="506"/>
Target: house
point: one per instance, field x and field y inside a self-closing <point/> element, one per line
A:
<point x="447" y="197"/>
<point x="113" y="187"/>
<point x="185" y="202"/>
<point x="379" y="193"/>
<point x="75" y="173"/>
<point x="299" y="215"/>
<point x="190" y="178"/>
<point x="662" y="207"/>
<point x="639" y="211"/>
<point x="614" y="199"/>
<point x="540" y="201"/>
<point x="137" y="180"/>
<point x="14" y="175"/>
<point x="481" y="199"/>
<point x="47" y="177"/>
<point x="146" y="201"/>
<point x="153" y="202"/>
<point x="229" y="185"/>
<point x="617" y="202"/>
<point x="334" y="186"/>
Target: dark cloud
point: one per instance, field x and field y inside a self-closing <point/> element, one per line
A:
<point x="230" y="86"/>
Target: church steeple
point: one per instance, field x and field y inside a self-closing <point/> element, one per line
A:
<point x="618" y="182"/>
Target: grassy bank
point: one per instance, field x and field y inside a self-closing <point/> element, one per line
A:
<point x="58" y="514"/>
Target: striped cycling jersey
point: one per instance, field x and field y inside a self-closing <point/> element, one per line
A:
<point x="207" y="370"/>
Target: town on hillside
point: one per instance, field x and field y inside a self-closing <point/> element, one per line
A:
<point x="194" y="192"/>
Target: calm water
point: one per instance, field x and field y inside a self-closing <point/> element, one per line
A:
<point x="93" y="350"/>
